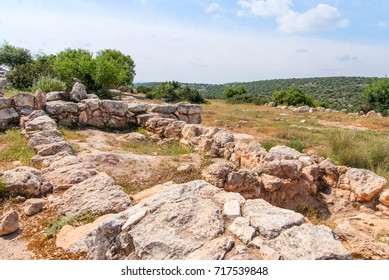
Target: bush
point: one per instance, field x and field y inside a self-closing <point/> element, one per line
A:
<point x="376" y="96"/>
<point x="174" y="92"/>
<point x="13" y="56"/>
<point x="292" y="96"/>
<point x="48" y="84"/>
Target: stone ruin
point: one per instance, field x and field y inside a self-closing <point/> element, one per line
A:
<point x="245" y="208"/>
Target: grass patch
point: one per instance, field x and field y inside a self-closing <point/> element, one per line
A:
<point x="69" y="134"/>
<point x="14" y="147"/>
<point x="2" y="188"/>
<point x="296" y="144"/>
<point x="269" y="144"/>
<point x="150" y="147"/>
<point x="56" y="224"/>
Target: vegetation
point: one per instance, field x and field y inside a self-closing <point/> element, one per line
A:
<point x="239" y="95"/>
<point x="292" y="96"/>
<point x="149" y="147"/>
<point x="172" y="92"/>
<point x="13" y="56"/>
<point x="376" y="96"/>
<point x="2" y="188"/>
<point x="14" y="148"/>
<point x="56" y="224"/>
<point x="48" y="84"/>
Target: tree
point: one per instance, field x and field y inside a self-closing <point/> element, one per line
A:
<point x="174" y="92"/>
<point x="72" y="64"/>
<point x="292" y="96"/>
<point x="230" y="92"/>
<point x="376" y="96"/>
<point x="13" y="56"/>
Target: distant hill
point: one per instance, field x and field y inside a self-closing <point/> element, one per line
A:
<point x="337" y="92"/>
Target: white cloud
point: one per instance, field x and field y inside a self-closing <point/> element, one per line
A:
<point x="213" y="7"/>
<point x="322" y="17"/>
<point x="265" y="8"/>
<point x="383" y="24"/>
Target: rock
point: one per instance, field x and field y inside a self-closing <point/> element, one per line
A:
<point x="8" y="116"/>
<point x="188" y="109"/>
<point x="117" y="108"/>
<point x="33" y="206"/>
<point x="231" y="209"/>
<point x="174" y="130"/>
<point x="164" y="109"/>
<point x="9" y="223"/>
<point x="5" y="103"/>
<point x="364" y="183"/>
<point x="143" y="118"/>
<point x="137" y="107"/>
<point x="61" y="107"/>
<point x="41" y="123"/>
<point x="40" y="100"/>
<point x="266" y="252"/>
<point x="223" y="197"/>
<point x="288" y="169"/>
<point x="384" y="198"/>
<point x="309" y="242"/>
<point x="25" y="181"/>
<point x="92" y="96"/>
<point x="244" y="138"/>
<point x="271" y="183"/>
<point x="302" y="109"/>
<point x="56" y="96"/>
<point x="282" y="153"/>
<point x="135" y="137"/>
<point x="222" y="138"/>
<point x="272" y="104"/>
<point x="78" y="92"/>
<point x="268" y="220"/>
<point x="95" y="195"/>
<point x="216" y="173"/>
<point x="24" y="101"/>
<point x="241" y="228"/>
<point x="214" y="250"/>
<point x="54" y="148"/>
<point x="242" y="181"/>
<point x="185" y="168"/>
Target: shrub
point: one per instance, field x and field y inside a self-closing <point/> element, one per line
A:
<point x="48" y="84"/>
<point x="292" y="96"/>
<point x="376" y="96"/>
<point x="296" y="144"/>
<point x="13" y="56"/>
<point x="174" y="92"/>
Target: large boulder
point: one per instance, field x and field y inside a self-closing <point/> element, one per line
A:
<point x="78" y="92"/>
<point x="25" y="181"/>
<point x="57" y="95"/>
<point x="5" y="103"/>
<point x="24" y="101"/>
<point x="33" y="206"/>
<point x="188" y="108"/>
<point x="384" y="198"/>
<point x="116" y="108"/>
<point x="8" y="116"/>
<point x="97" y="195"/>
<point x="309" y="242"/>
<point x="41" y="123"/>
<point x="40" y="100"/>
<point x="216" y="174"/>
<point x="9" y="223"/>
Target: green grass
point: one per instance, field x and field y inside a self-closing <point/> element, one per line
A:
<point x="296" y="144"/>
<point x="14" y="147"/>
<point x="48" y="84"/>
<point x="150" y="147"/>
<point x="70" y="134"/>
<point x="2" y="188"/>
<point x="56" y="224"/>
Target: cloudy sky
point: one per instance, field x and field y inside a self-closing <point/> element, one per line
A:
<point x="212" y="41"/>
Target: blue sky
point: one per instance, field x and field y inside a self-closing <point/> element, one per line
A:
<point x="212" y="41"/>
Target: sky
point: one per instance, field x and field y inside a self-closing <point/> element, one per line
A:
<point x="212" y="41"/>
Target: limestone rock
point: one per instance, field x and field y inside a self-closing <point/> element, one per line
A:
<point x="231" y="209"/>
<point x="216" y="173"/>
<point x="57" y="95"/>
<point x="9" y="223"/>
<point x="269" y="220"/>
<point x="25" y="181"/>
<point x="78" y="92"/>
<point x="271" y="183"/>
<point x="54" y="148"/>
<point x="41" y="123"/>
<point x="117" y="108"/>
<point x="61" y="107"/>
<point x="40" y="100"/>
<point x="309" y="242"/>
<point x="97" y="195"/>
<point x="242" y="181"/>
<point x="135" y="137"/>
<point x="137" y="107"/>
<point x="222" y="138"/>
<point x="282" y="153"/>
<point x="365" y="183"/>
<point x="5" y="103"/>
<point x="8" y="116"/>
<point x="214" y="250"/>
<point x="188" y="109"/>
<point x="384" y="198"/>
<point x="287" y="169"/>
<point x="24" y="101"/>
<point x="164" y="109"/>
<point x="241" y="228"/>
<point x="33" y="206"/>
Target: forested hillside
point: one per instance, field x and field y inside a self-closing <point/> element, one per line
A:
<point x="337" y="92"/>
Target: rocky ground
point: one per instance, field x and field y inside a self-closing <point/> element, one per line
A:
<point x="105" y="194"/>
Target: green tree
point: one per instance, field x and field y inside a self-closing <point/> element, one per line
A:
<point x="13" y="56"/>
<point x="72" y="64"/>
<point x="230" y="92"/>
<point x="376" y="96"/>
<point x="292" y="96"/>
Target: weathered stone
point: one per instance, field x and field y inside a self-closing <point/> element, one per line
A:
<point x="290" y="169"/>
<point x="242" y="181"/>
<point x="61" y="107"/>
<point x="40" y="100"/>
<point x="365" y="183"/>
<point x="24" y="100"/>
<point x="269" y="220"/>
<point x="216" y="173"/>
<point x="8" y="116"/>
<point x="242" y="229"/>
<point x="384" y="198"/>
<point x="57" y="95"/>
<point x="5" y="103"/>
<point x="266" y="252"/>
<point x="38" y="139"/>
<point x="174" y="130"/>
<point x="282" y="153"/>
<point x="194" y="119"/>
<point x="54" y="148"/>
<point x="223" y="197"/>
<point x="231" y="209"/>
<point x="9" y="223"/>
<point x="186" y="167"/>
<point x="271" y="183"/>
<point x="214" y="250"/>
<point x="222" y="138"/>
<point x="95" y="195"/>
<point x="143" y="118"/>
<point x="78" y="92"/>
<point x="33" y="206"/>
<point x="135" y="137"/>
<point x="164" y="109"/>
<point x="309" y="242"/>
<point x="92" y="96"/>
<point x="188" y="109"/>
<point x="25" y="181"/>
<point x="302" y="109"/>
<point x="137" y="107"/>
<point x="117" y="108"/>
